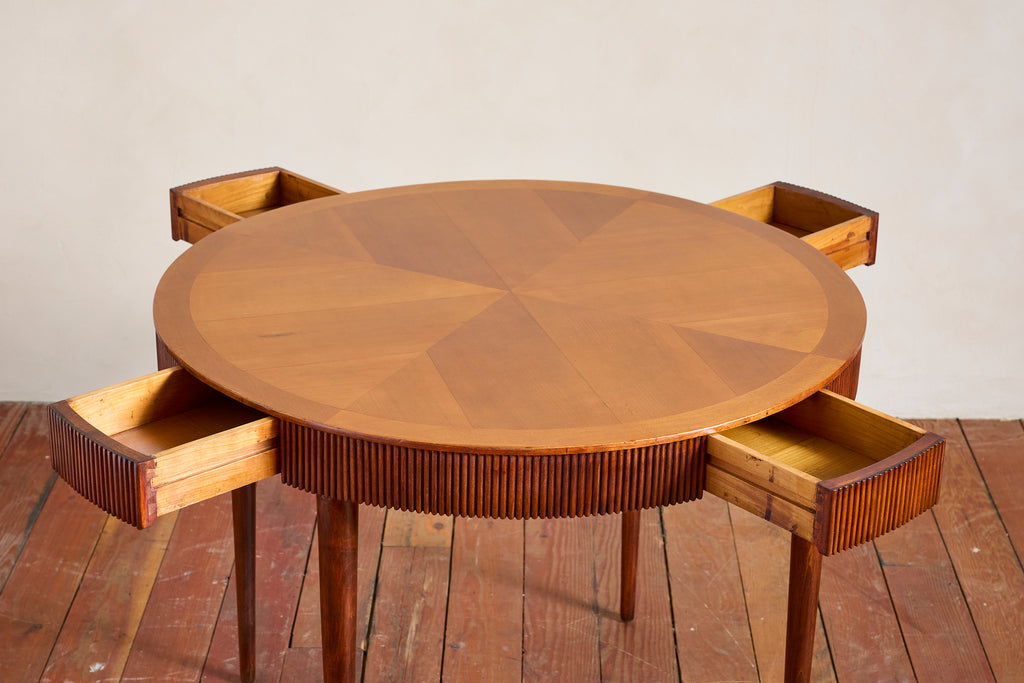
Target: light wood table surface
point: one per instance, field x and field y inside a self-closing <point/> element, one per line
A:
<point x="503" y="349"/>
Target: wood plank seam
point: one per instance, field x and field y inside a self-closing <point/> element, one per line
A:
<point x="47" y="609"/>
<point x="307" y="568"/>
<point x="30" y="523"/>
<point x="981" y="473"/>
<point x="947" y="537"/>
<point x="116" y="528"/>
<point x="448" y="598"/>
<point x="367" y="639"/>
<point x="373" y="598"/>
<point x="820" y="618"/>
<point x="888" y="591"/>
<point x="668" y="581"/>
<point x="743" y="588"/>
<point x="522" y="639"/>
<point x="597" y="607"/>
<point x="14" y="428"/>
<point x="953" y="564"/>
<point x="162" y="559"/>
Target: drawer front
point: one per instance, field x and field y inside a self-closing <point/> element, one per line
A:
<point x="98" y="468"/>
<point x="862" y="506"/>
<point x="829" y="470"/>
<point x="158" y="443"/>
<point x="491" y="484"/>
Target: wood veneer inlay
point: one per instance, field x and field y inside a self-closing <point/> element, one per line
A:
<point x="513" y="317"/>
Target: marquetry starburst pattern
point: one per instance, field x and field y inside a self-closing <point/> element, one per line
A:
<point x="509" y="316"/>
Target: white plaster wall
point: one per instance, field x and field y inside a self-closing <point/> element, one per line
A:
<point x="913" y="109"/>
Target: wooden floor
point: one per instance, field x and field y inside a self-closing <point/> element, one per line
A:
<point x="85" y="597"/>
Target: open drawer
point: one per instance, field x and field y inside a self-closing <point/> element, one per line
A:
<point x="844" y="232"/>
<point x="154" y="444"/>
<point x="198" y="209"/>
<point x="829" y="470"/>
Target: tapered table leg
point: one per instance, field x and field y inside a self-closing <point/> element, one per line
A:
<point x="338" y="530"/>
<point x="243" y="508"/>
<point x="804" y="580"/>
<point x="630" y="549"/>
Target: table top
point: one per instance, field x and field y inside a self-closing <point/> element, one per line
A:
<point x="509" y="316"/>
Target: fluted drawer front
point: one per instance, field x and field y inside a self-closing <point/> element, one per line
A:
<point x="158" y="443"/>
<point x="867" y="504"/>
<point x="829" y="470"/>
<point x="488" y="484"/>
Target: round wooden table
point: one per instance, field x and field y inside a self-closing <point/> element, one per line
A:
<point x="503" y="349"/>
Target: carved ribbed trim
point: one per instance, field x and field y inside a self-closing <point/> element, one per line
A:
<point x="101" y="475"/>
<point x="489" y="485"/>
<point x="885" y="497"/>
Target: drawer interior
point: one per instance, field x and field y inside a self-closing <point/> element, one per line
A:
<point x="843" y="231"/>
<point x="158" y="443"/>
<point x="822" y="449"/>
<point x="249" y="195"/>
<point x="825" y="464"/>
<point x="160" y="436"/>
<point x="200" y="208"/>
<point x="780" y="441"/>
